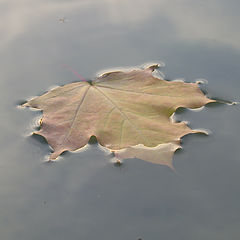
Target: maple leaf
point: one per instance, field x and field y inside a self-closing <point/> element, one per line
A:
<point x="127" y="111"/>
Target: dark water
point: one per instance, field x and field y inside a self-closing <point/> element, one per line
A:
<point x="83" y="196"/>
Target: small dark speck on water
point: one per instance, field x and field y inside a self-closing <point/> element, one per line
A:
<point x="118" y="163"/>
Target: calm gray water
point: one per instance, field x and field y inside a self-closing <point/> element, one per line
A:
<point x="83" y="196"/>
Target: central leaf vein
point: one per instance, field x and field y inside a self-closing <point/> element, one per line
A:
<point x="136" y="128"/>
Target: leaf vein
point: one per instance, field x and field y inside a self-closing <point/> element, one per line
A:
<point x="123" y="115"/>
<point x="75" y="116"/>
<point x="126" y="90"/>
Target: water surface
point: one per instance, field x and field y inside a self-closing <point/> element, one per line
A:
<point x="84" y="196"/>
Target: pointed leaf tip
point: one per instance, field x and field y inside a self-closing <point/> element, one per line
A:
<point x="152" y="67"/>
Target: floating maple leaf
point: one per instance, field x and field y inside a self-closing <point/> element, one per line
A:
<point x="128" y="112"/>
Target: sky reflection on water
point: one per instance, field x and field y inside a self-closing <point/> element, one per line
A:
<point x="83" y="196"/>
